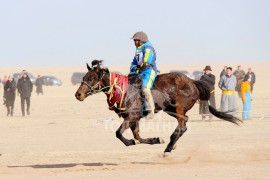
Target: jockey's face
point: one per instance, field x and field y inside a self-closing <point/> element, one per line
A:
<point x="137" y="42"/>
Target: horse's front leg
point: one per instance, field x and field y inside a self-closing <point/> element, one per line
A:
<point x="124" y="126"/>
<point x="135" y="130"/>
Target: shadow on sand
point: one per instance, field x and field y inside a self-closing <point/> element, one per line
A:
<point x="44" y="166"/>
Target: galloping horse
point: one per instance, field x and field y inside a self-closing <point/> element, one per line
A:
<point x="173" y="93"/>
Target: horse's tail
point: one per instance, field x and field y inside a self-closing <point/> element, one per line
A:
<point x="205" y="90"/>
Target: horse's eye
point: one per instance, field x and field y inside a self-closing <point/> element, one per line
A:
<point x="92" y="78"/>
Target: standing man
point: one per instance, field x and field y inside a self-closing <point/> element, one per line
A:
<point x="223" y="72"/>
<point x="144" y="64"/>
<point x="9" y="95"/>
<point x="25" y="87"/>
<point x="240" y="75"/>
<point x="253" y="78"/>
<point x="211" y="79"/>
<point x="39" y="84"/>
<point x="227" y="84"/>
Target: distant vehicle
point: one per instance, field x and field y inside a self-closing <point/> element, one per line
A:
<point x="17" y="76"/>
<point x="197" y="74"/>
<point x="183" y="72"/>
<point x="51" y="80"/>
<point x="77" y="77"/>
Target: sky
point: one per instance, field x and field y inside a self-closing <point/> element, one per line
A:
<point x="73" y="32"/>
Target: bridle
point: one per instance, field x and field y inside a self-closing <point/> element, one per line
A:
<point x="98" y="84"/>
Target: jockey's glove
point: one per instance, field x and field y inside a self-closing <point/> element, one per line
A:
<point x="134" y="69"/>
<point x="144" y="66"/>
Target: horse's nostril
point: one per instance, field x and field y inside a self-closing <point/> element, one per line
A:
<point x="78" y="95"/>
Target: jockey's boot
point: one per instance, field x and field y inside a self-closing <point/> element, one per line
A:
<point x="149" y="103"/>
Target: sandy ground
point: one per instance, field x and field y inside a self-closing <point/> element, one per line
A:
<point x="67" y="139"/>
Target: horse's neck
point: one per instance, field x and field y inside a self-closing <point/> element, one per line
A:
<point x="106" y="80"/>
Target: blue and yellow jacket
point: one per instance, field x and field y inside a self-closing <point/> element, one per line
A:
<point x="144" y="54"/>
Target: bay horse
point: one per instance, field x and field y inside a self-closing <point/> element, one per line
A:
<point x="174" y="93"/>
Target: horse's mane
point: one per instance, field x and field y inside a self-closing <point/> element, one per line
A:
<point x="96" y="63"/>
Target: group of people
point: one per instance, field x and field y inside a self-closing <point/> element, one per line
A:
<point x="229" y="83"/>
<point x="24" y="87"/>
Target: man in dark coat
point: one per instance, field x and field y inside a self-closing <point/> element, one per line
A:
<point x="39" y="83"/>
<point x="223" y="72"/>
<point x="240" y="75"/>
<point x="253" y="78"/>
<point x="25" y="87"/>
<point x="210" y="78"/>
<point x="9" y="95"/>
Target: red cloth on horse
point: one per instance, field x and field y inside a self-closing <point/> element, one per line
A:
<point x="115" y="95"/>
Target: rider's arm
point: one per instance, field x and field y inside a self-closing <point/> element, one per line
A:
<point x="134" y="67"/>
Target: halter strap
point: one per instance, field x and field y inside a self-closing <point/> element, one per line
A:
<point x="97" y="84"/>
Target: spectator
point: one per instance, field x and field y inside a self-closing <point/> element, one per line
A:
<point x="253" y="79"/>
<point x="39" y="83"/>
<point x="25" y="87"/>
<point x="5" y="79"/>
<point x="245" y="93"/>
<point x="204" y="108"/>
<point x="9" y="95"/>
<point x="227" y="84"/>
<point x="223" y="72"/>
<point x="240" y="75"/>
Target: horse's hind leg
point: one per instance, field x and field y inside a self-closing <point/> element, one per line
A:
<point x="125" y="125"/>
<point x="178" y="132"/>
<point x="135" y="130"/>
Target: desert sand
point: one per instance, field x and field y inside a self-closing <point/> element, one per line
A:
<point x="67" y="139"/>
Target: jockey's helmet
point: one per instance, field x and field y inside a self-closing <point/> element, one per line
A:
<point x="140" y="36"/>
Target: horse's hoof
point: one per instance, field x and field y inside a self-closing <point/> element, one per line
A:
<point x="167" y="154"/>
<point x="161" y="141"/>
<point x="174" y="146"/>
<point x="136" y="141"/>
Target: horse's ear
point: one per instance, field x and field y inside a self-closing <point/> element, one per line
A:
<point x="88" y="67"/>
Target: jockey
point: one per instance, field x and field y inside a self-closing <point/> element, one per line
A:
<point x="144" y="64"/>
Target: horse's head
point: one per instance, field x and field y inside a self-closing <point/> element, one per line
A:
<point x="92" y="82"/>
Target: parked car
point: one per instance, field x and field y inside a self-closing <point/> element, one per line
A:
<point x="183" y="72"/>
<point x="17" y="76"/>
<point x="77" y="77"/>
<point x="51" y="80"/>
<point x="197" y="74"/>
